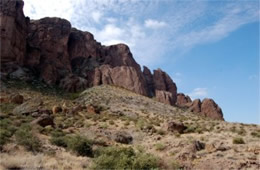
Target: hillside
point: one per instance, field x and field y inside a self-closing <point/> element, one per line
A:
<point x="114" y="118"/>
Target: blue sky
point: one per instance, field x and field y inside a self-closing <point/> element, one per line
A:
<point x="209" y="48"/>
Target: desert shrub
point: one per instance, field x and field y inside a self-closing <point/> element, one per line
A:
<point x="127" y="123"/>
<point x="190" y="129"/>
<point x="58" y="138"/>
<point x="78" y="144"/>
<point x="6" y="131"/>
<point x="175" y="165"/>
<point x="238" y="140"/>
<point x="111" y="122"/>
<point x="161" y="132"/>
<point x="123" y="158"/>
<point x="7" y="107"/>
<point x="159" y="146"/>
<point x="241" y="131"/>
<point x="25" y="137"/>
<point x="256" y="134"/>
<point x="145" y="161"/>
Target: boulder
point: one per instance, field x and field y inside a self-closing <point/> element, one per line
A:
<point x="73" y="83"/>
<point x="17" y="99"/>
<point x="28" y="107"/>
<point x="164" y="97"/>
<point x="123" y="137"/>
<point x="183" y="100"/>
<point x="176" y="126"/>
<point x="210" y="109"/>
<point x="44" y="120"/>
<point x="56" y="109"/>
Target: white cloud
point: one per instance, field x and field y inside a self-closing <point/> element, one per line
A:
<point x="184" y="25"/>
<point x="154" y="24"/>
<point x="199" y="93"/>
<point x="96" y="15"/>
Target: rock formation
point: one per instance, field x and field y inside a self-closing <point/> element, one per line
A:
<point x="13" y="34"/>
<point x="183" y="100"/>
<point x="50" y="50"/>
<point x="210" y="109"/>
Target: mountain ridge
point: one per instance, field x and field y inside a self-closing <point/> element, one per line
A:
<point x="51" y="50"/>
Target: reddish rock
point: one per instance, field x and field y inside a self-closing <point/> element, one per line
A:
<point x="47" y="48"/>
<point x="210" y="109"/>
<point x="164" y="97"/>
<point x="44" y="120"/>
<point x="17" y="99"/>
<point x="195" y="106"/>
<point x="163" y="82"/>
<point x="120" y="55"/>
<point x="73" y="83"/>
<point x="126" y="77"/>
<point x="13" y="29"/>
<point x="176" y="126"/>
<point x="149" y="81"/>
<point x="183" y="100"/>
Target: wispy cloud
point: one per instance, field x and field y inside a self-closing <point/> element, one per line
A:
<point x="154" y="28"/>
<point x="154" y="24"/>
<point x="199" y="93"/>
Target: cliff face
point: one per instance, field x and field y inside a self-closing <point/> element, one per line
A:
<point x="60" y="55"/>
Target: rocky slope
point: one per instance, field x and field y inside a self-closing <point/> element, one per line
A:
<point x="44" y="128"/>
<point x="57" y="54"/>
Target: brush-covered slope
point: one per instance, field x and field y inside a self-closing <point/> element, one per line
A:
<point x="108" y="127"/>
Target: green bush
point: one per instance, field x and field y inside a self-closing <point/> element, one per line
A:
<point x="159" y="146"/>
<point x="77" y="144"/>
<point x="161" y="132"/>
<point x="256" y="134"/>
<point x="80" y="145"/>
<point x="25" y="138"/>
<point x="58" y="138"/>
<point x="123" y="158"/>
<point x="6" y="131"/>
<point x="238" y="140"/>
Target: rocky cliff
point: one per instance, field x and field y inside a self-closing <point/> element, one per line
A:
<point x="54" y="52"/>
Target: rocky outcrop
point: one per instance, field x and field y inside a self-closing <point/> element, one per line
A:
<point x="195" y="106"/>
<point x="210" y="109"/>
<point x="183" y="100"/>
<point x="149" y="81"/>
<point x="164" y="97"/>
<point x="13" y="27"/>
<point x="73" y="83"/>
<point x="47" y="48"/>
<point x="123" y="76"/>
<point x="163" y="82"/>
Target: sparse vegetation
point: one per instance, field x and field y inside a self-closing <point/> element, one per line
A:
<point x="123" y="158"/>
<point x="238" y="140"/>
<point x="256" y="134"/>
<point x="159" y="146"/>
<point x="78" y="144"/>
<point x="25" y="137"/>
<point x="6" y="131"/>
